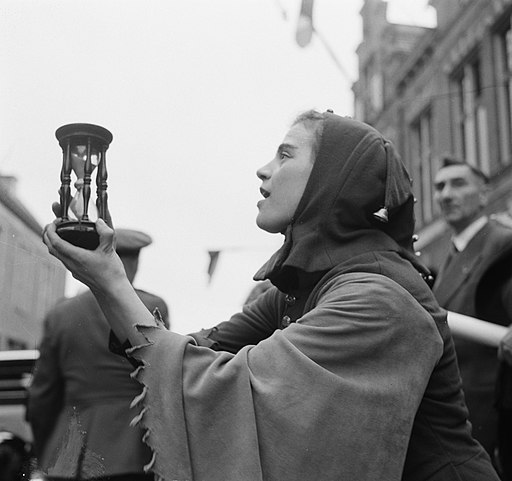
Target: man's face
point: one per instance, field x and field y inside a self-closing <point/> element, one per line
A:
<point x="284" y="179"/>
<point x="461" y="195"/>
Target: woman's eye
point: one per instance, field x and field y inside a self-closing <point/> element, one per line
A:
<point x="283" y="155"/>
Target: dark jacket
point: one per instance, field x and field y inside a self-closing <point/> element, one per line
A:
<point x="478" y="282"/>
<point x="80" y="395"/>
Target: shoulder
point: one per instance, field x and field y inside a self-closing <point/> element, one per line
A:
<point x="374" y="305"/>
<point x="268" y="304"/>
<point x="495" y="247"/>
<point x="369" y="292"/>
<point x="496" y="265"/>
<point x="149" y="297"/>
<point x="65" y="305"/>
<point x="152" y="301"/>
<point x="269" y="295"/>
<point x="69" y="312"/>
<point x="498" y="233"/>
<point x="361" y="283"/>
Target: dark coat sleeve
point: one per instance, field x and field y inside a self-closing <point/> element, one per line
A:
<point x="506" y="297"/>
<point x="493" y="295"/>
<point x="257" y="321"/>
<point x="46" y="391"/>
<point x="494" y="303"/>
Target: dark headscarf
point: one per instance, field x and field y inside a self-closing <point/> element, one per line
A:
<point x="356" y="173"/>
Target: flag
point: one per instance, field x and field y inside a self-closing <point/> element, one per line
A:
<point x="214" y="258"/>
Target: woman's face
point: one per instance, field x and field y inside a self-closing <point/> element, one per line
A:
<point x="284" y="179"/>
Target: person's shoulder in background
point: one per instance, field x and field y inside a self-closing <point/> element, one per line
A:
<point x="152" y="301"/>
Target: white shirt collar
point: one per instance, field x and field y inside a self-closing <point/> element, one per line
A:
<point x="462" y="240"/>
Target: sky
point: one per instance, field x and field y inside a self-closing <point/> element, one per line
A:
<point x="197" y="94"/>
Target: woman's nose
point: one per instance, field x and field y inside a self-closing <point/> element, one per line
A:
<point x="264" y="172"/>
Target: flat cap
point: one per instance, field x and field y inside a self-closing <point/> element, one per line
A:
<point x="128" y="240"/>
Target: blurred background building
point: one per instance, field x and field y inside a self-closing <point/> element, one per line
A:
<point x="30" y="279"/>
<point x="443" y="90"/>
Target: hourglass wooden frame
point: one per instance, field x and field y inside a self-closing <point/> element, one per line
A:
<point x="94" y="140"/>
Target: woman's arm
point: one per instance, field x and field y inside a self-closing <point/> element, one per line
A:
<point x="103" y="272"/>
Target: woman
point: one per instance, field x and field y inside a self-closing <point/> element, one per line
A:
<point x="344" y="370"/>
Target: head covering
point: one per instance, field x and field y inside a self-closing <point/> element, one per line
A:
<point x="356" y="173"/>
<point x="129" y="241"/>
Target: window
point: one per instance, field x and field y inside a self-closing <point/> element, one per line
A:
<point x="22" y="279"/>
<point x="471" y="130"/>
<point x="374" y="86"/>
<point x="421" y="139"/>
<point x="502" y="58"/>
<point x="376" y="91"/>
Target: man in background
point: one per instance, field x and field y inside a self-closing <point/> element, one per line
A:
<point x="476" y="280"/>
<point x="80" y="396"/>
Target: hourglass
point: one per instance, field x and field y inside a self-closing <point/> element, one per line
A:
<point x="84" y="147"/>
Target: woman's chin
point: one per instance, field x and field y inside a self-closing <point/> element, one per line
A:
<point x="267" y="226"/>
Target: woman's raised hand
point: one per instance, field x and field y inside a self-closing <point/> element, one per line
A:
<point x="99" y="269"/>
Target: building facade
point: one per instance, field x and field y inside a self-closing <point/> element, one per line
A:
<point x="31" y="280"/>
<point x="438" y="91"/>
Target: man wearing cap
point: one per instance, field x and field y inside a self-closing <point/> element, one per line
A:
<point x="80" y="395"/>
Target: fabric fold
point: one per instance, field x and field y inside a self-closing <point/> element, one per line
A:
<point x="217" y="416"/>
